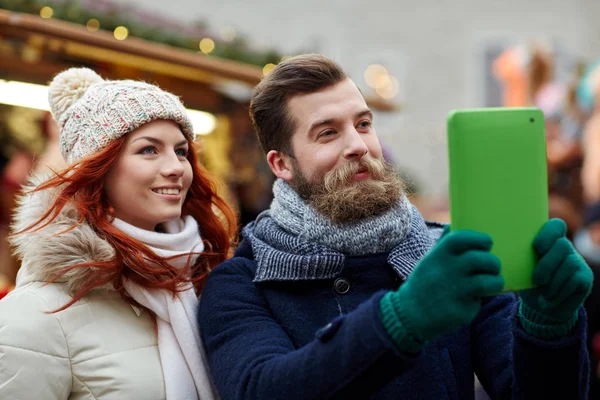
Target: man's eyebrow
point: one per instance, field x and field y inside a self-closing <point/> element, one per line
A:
<point x="365" y="113"/>
<point x="320" y="123"/>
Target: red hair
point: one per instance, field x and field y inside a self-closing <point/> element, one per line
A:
<point x="82" y="185"/>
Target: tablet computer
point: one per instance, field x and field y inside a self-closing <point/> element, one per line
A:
<point x="498" y="183"/>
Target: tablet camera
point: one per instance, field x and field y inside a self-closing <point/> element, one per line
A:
<point x="532" y="120"/>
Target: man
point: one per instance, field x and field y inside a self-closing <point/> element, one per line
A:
<point x="340" y="290"/>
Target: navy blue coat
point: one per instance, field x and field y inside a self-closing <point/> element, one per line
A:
<point x="305" y="340"/>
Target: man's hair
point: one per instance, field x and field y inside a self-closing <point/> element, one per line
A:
<point x="302" y="74"/>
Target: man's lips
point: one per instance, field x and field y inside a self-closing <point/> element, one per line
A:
<point x="362" y="173"/>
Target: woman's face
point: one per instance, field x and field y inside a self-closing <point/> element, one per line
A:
<point x="148" y="183"/>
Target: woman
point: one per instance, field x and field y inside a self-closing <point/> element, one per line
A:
<point x="114" y="250"/>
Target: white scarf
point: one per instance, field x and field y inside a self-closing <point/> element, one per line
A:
<point x="184" y="364"/>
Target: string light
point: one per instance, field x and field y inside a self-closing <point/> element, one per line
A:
<point x="207" y="45"/>
<point x="228" y="34"/>
<point x="121" y="33"/>
<point x="46" y="12"/>
<point x="268" y="68"/>
<point x="376" y="75"/>
<point x="93" y="25"/>
<point x="390" y="90"/>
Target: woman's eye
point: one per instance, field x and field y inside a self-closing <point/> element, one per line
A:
<point x="365" y="124"/>
<point x="148" y="150"/>
<point x="181" y="152"/>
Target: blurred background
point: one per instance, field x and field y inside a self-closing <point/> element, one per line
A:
<point x="413" y="63"/>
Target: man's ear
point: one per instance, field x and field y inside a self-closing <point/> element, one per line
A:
<point x="280" y="164"/>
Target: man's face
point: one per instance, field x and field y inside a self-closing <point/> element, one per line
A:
<point x="337" y="165"/>
<point x="333" y="127"/>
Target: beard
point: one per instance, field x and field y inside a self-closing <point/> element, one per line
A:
<point x="341" y="200"/>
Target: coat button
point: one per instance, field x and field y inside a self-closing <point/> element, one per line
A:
<point x="341" y="285"/>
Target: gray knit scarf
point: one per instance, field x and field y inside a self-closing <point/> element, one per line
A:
<point x="291" y="241"/>
<point x="368" y="236"/>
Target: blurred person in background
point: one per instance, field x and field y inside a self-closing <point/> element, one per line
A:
<point x="51" y="159"/>
<point x="13" y="174"/>
<point x="342" y="290"/>
<point x="114" y="252"/>
<point x="527" y="75"/>
<point x="587" y="239"/>
<point x="564" y="131"/>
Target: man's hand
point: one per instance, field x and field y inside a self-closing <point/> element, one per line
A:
<point x="444" y="291"/>
<point x="563" y="280"/>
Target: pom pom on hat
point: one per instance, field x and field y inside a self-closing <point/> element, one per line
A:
<point x="68" y="87"/>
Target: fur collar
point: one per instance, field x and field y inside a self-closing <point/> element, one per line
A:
<point x="46" y="251"/>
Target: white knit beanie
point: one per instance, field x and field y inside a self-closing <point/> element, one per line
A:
<point x="92" y="111"/>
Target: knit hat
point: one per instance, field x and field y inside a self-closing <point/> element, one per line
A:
<point x="92" y="111"/>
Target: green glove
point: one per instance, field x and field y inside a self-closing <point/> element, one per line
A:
<point x="563" y="281"/>
<point x="444" y="290"/>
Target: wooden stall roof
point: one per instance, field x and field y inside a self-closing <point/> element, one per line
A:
<point x="220" y="68"/>
<point x="101" y="47"/>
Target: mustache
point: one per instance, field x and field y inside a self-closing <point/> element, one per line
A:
<point x="343" y="175"/>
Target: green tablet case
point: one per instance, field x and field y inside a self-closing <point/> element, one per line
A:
<point x="499" y="183"/>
